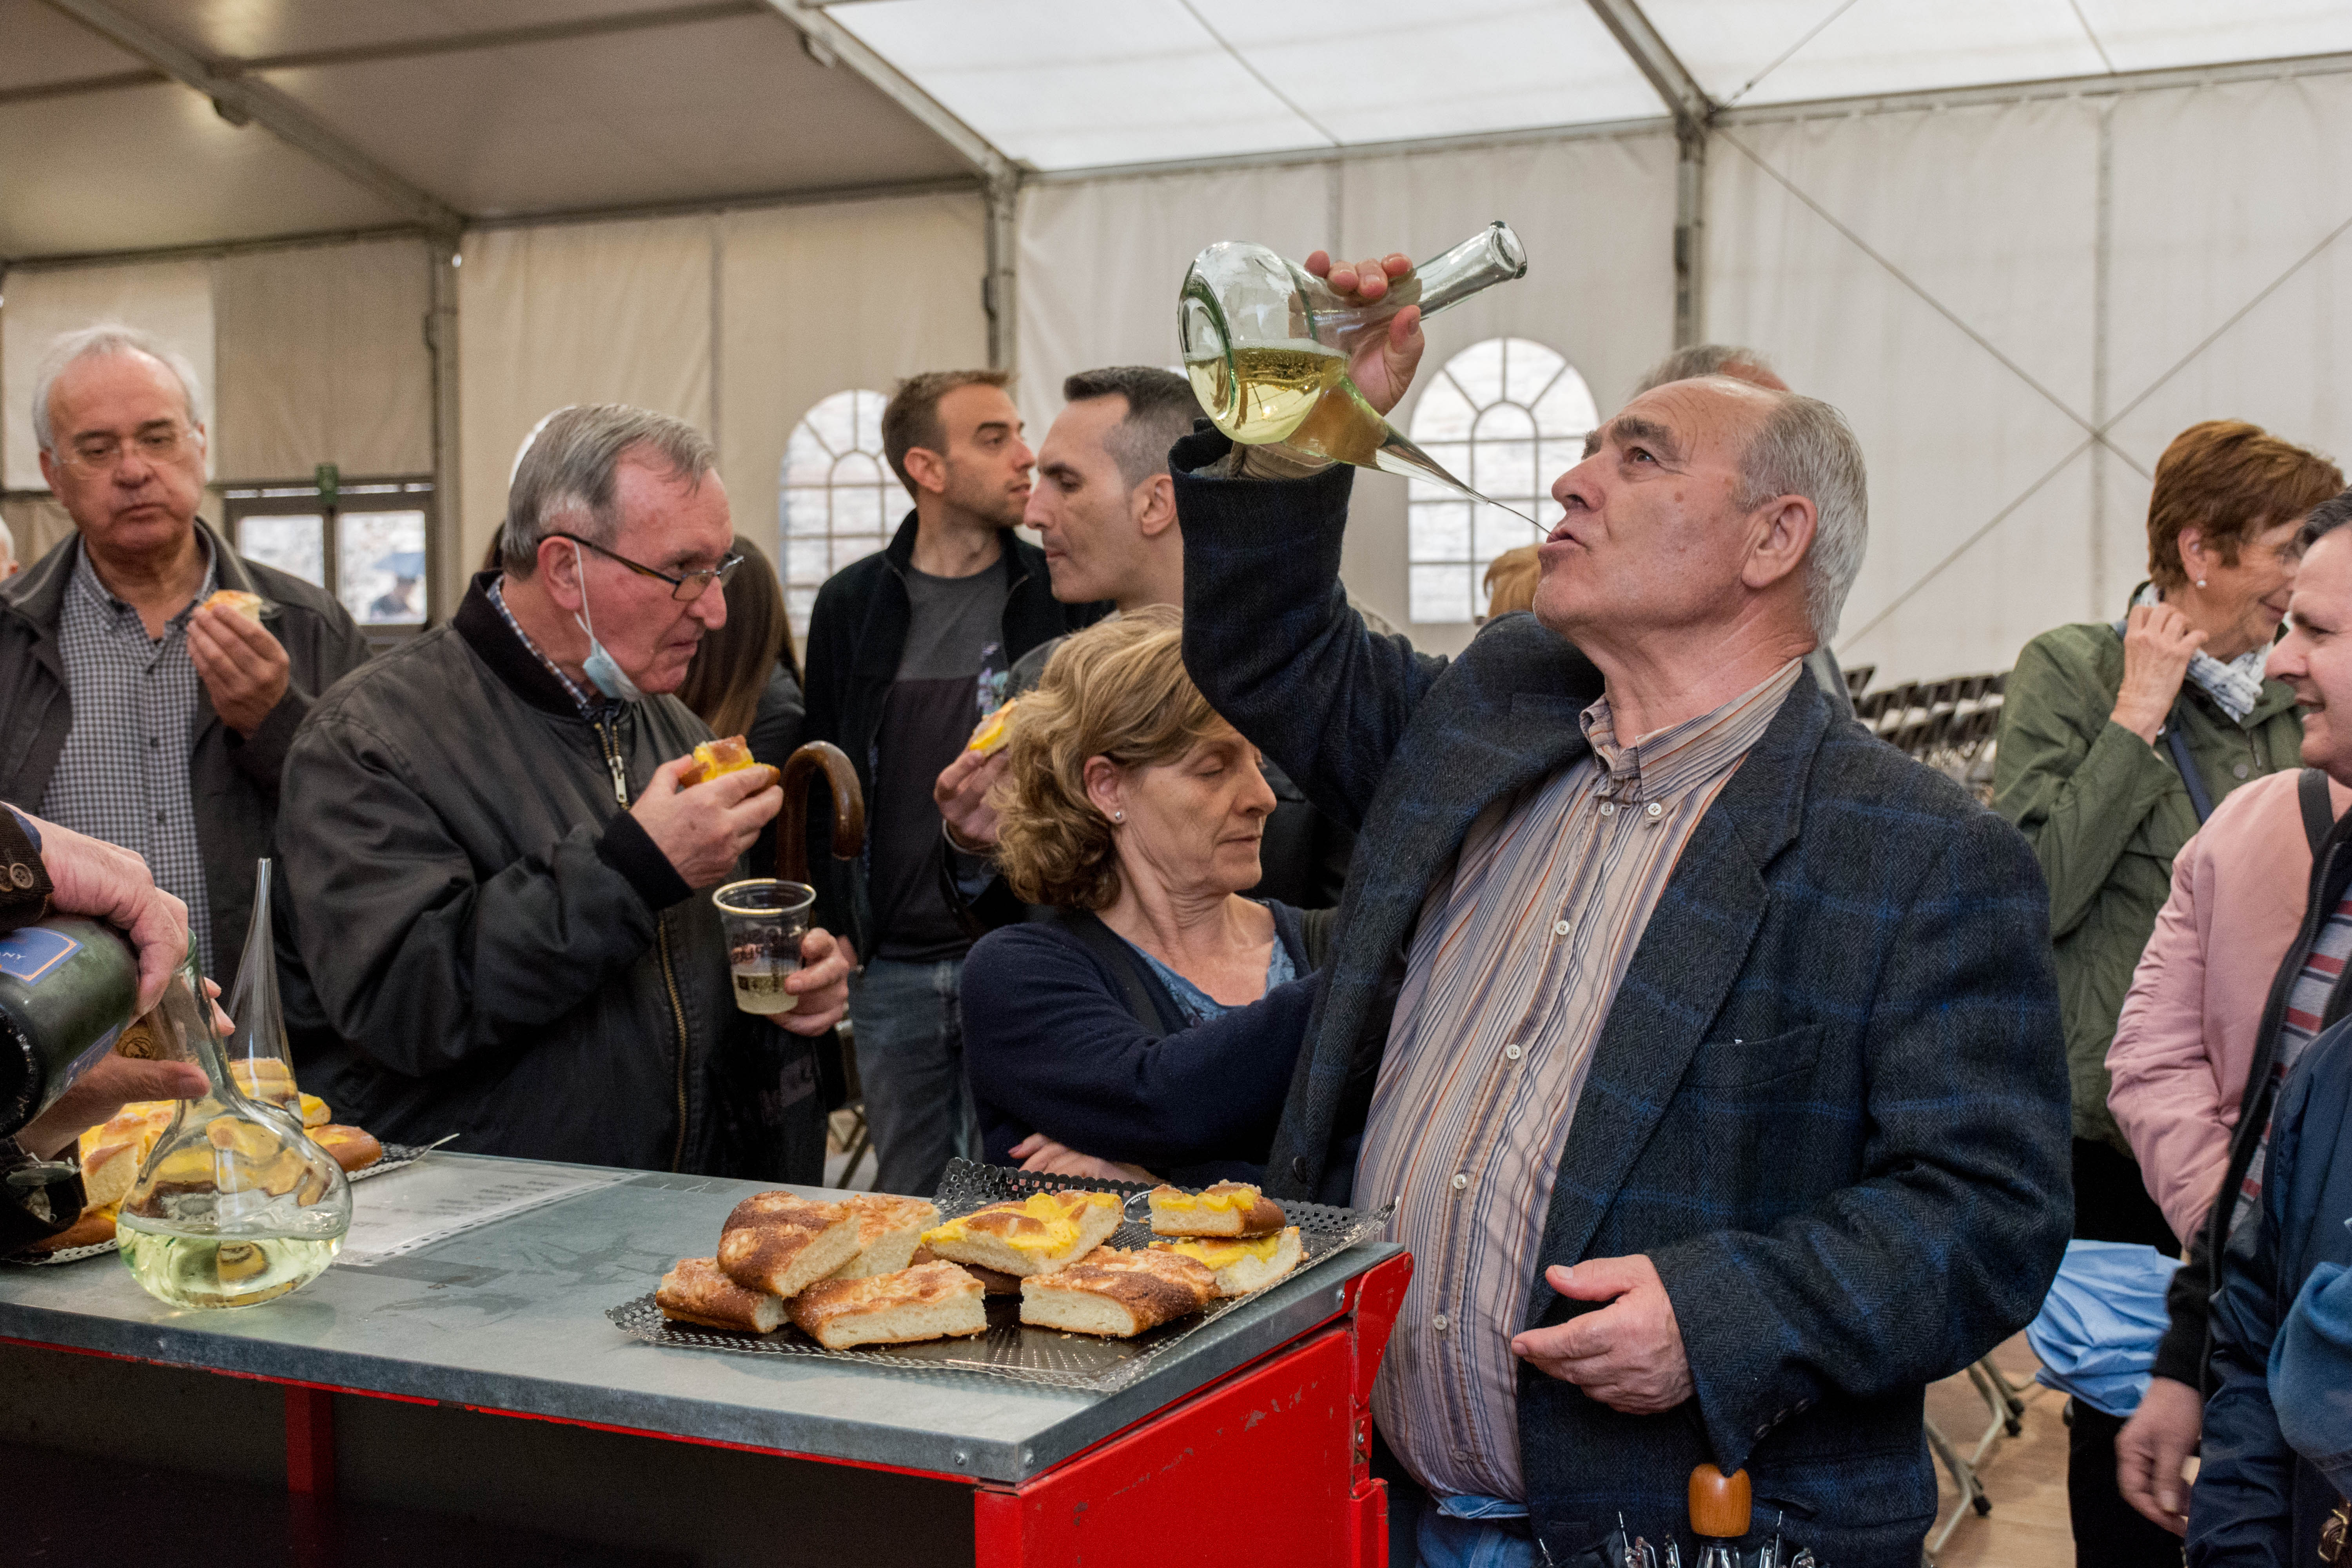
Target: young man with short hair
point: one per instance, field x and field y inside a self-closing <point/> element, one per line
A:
<point x="908" y="650"/>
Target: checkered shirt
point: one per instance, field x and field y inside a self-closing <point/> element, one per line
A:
<point x="124" y="774"/>
<point x="594" y="705"/>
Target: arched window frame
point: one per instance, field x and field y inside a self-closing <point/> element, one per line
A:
<point x="1509" y="416"/>
<point x="836" y="498"/>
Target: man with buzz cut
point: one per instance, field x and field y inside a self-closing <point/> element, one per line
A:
<point x="909" y="649"/>
<point x="1105" y="512"/>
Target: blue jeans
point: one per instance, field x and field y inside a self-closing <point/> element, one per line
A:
<point x="910" y="1038"/>
<point x="1475" y="1532"/>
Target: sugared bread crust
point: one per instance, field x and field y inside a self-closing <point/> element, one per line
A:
<point x="696" y="1291"/>
<point x="1117" y="1295"/>
<point x="783" y="1243"/>
<point x="929" y="1301"/>
<point x="888" y="1230"/>
<point x="1034" y="1236"/>
<point x="1227" y="1208"/>
<point x="1242" y="1263"/>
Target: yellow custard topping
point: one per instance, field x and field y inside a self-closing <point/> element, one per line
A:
<point x="1218" y="1199"/>
<point x="1045" y="1223"/>
<point x="1223" y="1254"/>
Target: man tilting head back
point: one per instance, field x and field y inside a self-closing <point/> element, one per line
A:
<point x="1707" y="1047"/>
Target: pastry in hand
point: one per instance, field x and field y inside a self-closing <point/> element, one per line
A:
<point x="994" y="731"/>
<point x="238" y="602"/>
<point x="696" y="1291"/>
<point x="1035" y="1235"/>
<point x="1228" y="1208"/>
<point x="1242" y="1263"/>
<point x="1117" y="1295"/>
<point x="783" y="1243"/>
<point x="890" y="1231"/>
<point x="929" y="1301"/>
<point x="715" y="757"/>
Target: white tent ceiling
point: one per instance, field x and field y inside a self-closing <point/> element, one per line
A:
<point x="500" y="108"/>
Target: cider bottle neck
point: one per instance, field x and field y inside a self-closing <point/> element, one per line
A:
<point x="1491" y="255"/>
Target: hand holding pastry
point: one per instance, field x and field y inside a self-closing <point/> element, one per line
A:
<point x="243" y="668"/>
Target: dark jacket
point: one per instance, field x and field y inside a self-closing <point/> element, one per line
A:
<point x="2182" y="1354"/>
<point x="2256" y="1501"/>
<point x="2105" y="812"/>
<point x="487" y="941"/>
<point x="1830" y="1099"/>
<point x="857" y="633"/>
<point x="233" y="782"/>
<point x="1052" y="1046"/>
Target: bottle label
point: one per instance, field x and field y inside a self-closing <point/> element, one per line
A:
<point x="32" y="954"/>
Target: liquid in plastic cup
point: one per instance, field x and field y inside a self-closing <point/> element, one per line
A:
<point x="765" y="919"/>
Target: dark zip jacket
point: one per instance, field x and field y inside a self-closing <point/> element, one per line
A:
<point x="855" y="636"/>
<point x="233" y="781"/>
<point x="486" y="943"/>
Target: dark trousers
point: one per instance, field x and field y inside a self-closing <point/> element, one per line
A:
<point x="2111" y="1204"/>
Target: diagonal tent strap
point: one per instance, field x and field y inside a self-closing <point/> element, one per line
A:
<point x="2096" y="433"/>
<point x="2100" y="435"/>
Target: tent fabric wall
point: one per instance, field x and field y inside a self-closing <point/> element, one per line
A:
<point x="173" y="299"/>
<point x="2019" y="306"/>
<point x="820" y="299"/>
<point x="323" y="359"/>
<point x="1100" y="262"/>
<point x="548" y="316"/>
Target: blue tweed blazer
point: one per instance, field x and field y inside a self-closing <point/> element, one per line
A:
<point x="1829" y="1102"/>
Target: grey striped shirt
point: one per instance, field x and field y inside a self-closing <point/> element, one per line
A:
<point x="1507" y="989"/>
<point x="124" y="774"/>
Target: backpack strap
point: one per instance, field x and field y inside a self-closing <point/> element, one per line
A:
<point x="1112" y="951"/>
<point x="2201" y="799"/>
<point x="2319" y="810"/>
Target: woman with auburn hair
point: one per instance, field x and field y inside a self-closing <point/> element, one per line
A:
<point x="2117" y="740"/>
<point x="1153" y="1018"/>
<point x="744" y="679"/>
<point x="1511" y="579"/>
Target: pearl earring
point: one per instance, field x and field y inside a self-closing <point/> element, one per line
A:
<point x="1118" y="816"/>
<point x="2201" y="582"/>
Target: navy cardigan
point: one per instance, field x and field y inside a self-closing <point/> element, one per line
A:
<point x="1051" y="1047"/>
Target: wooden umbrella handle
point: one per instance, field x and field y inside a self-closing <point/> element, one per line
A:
<point x="1719" y="1504"/>
<point x="848" y="808"/>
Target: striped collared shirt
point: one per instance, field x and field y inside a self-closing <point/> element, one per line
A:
<point x="124" y="773"/>
<point x="1508" y="985"/>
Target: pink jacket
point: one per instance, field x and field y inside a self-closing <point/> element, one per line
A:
<point x="2187" y="1034"/>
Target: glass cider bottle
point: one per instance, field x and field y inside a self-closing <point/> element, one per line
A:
<point x="1267" y="346"/>
<point x="235" y="1205"/>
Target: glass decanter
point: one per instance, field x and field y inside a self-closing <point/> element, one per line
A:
<point x="1266" y="344"/>
<point x="260" y="1059"/>
<point x="234" y="1206"/>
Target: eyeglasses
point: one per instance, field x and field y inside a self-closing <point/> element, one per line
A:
<point x="686" y="589"/>
<point x="155" y="444"/>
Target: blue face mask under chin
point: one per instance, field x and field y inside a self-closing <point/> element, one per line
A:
<point x="601" y="668"/>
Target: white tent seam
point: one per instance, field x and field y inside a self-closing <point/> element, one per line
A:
<point x="1257" y="75"/>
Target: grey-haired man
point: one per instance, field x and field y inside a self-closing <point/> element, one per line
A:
<point x="495" y="881"/>
<point x="137" y="712"/>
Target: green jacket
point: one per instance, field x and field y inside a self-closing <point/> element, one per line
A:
<point x="2105" y="812"/>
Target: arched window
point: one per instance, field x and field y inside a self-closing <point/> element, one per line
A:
<point x="839" y="500"/>
<point x="1509" y="416"/>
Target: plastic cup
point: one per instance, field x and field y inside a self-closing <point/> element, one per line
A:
<point x="765" y="920"/>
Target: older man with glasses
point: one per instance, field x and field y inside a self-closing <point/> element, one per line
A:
<point x="135" y="710"/>
<point x="497" y="881"/>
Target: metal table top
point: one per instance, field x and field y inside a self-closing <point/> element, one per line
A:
<point x="510" y="1316"/>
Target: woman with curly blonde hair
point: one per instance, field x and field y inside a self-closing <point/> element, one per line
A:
<point x="1153" y="1018"/>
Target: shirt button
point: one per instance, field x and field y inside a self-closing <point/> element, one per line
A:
<point x="1438" y="1322"/>
<point x="2240" y="771"/>
<point x="1559" y="928"/>
<point x="1608" y="808"/>
<point x="1510" y="1053"/>
<point x="1654" y="809"/>
<point x="1460" y="1181"/>
<point x="154" y="742"/>
<point x="158" y="819"/>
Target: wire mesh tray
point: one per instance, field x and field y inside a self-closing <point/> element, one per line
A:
<point x="395" y="1157"/>
<point x="1011" y="1350"/>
